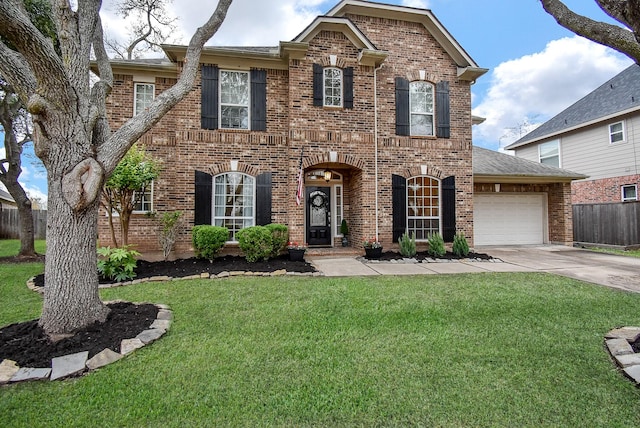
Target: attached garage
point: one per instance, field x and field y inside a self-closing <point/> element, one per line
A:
<point x="510" y="219"/>
<point x="520" y="202"/>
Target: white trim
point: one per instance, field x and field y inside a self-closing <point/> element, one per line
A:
<point x="433" y="109"/>
<point x="135" y="94"/>
<point x="324" y="92"/>
<point x="334" y="208"/>
<point x="150" y="201"/>
<point x="248" y="105"/>
<point x="634" y="186"/>
<point x="439" y="216"/>
<point x="540" y="158"/>
<point x="611" y="133"/>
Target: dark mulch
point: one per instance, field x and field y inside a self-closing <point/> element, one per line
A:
<point x="16" y="259"/>
<point x="422" y="255"/>
<point x="29" y="346"/>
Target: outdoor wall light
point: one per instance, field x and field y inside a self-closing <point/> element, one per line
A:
<point x="327" y="175"/>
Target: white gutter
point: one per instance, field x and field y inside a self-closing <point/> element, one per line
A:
<point x="375" y="139"/>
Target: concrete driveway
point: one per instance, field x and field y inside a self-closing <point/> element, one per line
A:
<point x="605" y="269"/>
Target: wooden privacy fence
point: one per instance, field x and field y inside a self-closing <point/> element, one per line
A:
<point x="10" y="225"/>
<point x="611" y="224"/>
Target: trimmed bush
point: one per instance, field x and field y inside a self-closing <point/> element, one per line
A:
<point x="436" y="245"/>
<point x="279" y="237"/>
<point x="209" y="240"/>
<point x="117" y="263"/>
<point x="407" y="245"/>
<point x="255" y="242"/>
<point x="460" y="245"/>
<point x="170" y="225"/>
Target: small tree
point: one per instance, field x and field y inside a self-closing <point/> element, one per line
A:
<point x="169" y="228"/>
<point x="125" y="188"/>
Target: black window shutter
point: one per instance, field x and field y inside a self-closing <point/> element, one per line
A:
<point x="203" y="195"/>
<point x="399" y="199"/>
<point x="209" y="97"/>
<point x="263" y="199"/>
<point x="258" y="100"/>
<point x="347" y="87"/>
<point x="443" y="127"/>
<point x="318" y="74"/>
<point x="402" y="106"/>
<point x="449" y="208"/>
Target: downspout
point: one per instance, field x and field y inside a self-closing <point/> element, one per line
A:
<point x="375" y="139"/>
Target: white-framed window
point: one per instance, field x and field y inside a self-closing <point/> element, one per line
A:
<point x="143" y="96"/>
<point x="616" y="133"/>
<point x="234" y="202"/>
<point x="629" y="192"/>
<point x="549" y="153"/>
<point x="423" y="207"/>
<point x="332" y="85"/>
<point x="234" y="99"/>
<point x="339" y="198"/>
<point x="421" y="108"/>
<point x="144" y="200"/>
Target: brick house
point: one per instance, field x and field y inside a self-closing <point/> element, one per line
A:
<point x="372" y="101"/>
<point x="596" y="136"/>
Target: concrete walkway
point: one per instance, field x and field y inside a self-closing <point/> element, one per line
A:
<point x="604" y="269"/>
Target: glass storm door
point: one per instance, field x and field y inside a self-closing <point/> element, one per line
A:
<point x="318" y="216"/>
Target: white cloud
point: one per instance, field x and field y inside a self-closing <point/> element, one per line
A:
<point x="421" y="4"/>
<point x="535" y="87"/>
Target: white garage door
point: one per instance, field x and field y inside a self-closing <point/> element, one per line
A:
<point x="509" y="219"/>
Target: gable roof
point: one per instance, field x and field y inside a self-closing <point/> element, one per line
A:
<point x="492" y="166"/>
<point x="618" y="96"/>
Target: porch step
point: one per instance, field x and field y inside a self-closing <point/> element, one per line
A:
<point x="334" y="251"/>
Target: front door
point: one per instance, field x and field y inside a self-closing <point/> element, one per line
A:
<point x="318" y="216"/>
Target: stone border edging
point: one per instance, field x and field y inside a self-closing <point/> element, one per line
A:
<point x="618" y="342"/>
<point x="365" y="260"/>
<point x="78" y="363"/>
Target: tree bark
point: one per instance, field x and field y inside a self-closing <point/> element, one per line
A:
<point x="624" y="40"/>
<point x="25" y="215"/>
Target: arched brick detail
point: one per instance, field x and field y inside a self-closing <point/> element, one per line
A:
<point x="416" y="171"/>
<point x="222" y="167"/>
<point x="414" y="75"/>
<point x="340" y="62"/>
<point x="346" y="159"/>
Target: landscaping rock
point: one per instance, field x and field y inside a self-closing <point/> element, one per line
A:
<point x="30" y="373"/>
<point x="68" y="365"/>
<point x="127" y="346"/>
<point x="161" y="324"/>
<point x="619" y="347"/>
<point x="634" y="373"/>
<point x="631" y="334"/>
<point x="8" y="369"/>
<point x="149" y="336"/>
<point x="628" y="360"/>
<point x="107" y="356"/>
<point x="164" y="314"/>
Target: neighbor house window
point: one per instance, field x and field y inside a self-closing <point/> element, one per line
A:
<point x="234" y="99"/>
<point x="233" y="202"/>
<point x="629" y="193"/>
<point x="423" y="207"/>
<point x="421" y="107"/>
<point x="144" y="200"/>
<point x="143" y="96"/>
<point x="332" y="83"/>
<point x="616" y="132"/>
<point x="549" y="153"/>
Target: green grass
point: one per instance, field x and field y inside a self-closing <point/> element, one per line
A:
<point x="10" y="247"/>
<point x="628" y="253"/>
<point x="451" y="351"/>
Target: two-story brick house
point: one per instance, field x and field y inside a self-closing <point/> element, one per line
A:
<point x="373" y="101"/>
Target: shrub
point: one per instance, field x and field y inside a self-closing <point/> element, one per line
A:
<point x="436" y="245"/>
<point x="209" y="240"/>
<point x="169" y="227"/>
<point x="407" y="245"/>
<point x="279" y="238"/>
<point x="460" y="245"/>
<point x="117" y="263"/>
<point x="255" y="242"/>
<point x="344" y="229"/>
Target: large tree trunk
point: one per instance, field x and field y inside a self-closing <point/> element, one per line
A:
<point x="71" y="299"/>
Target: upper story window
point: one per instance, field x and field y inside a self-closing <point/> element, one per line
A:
<point x="423" y="207"/>
<point x="332" y="87"/>
<point x="421" y="106"/>
<point x="233" y="202"/>
<point x="549" y="153"/>
<point x="234" y="99"/>
<point x="143" y="96"/>
<point x="616" y="132"/>
<point x="629" y="192"/>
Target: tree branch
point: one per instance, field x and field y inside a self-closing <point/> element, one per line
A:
<point x="618" y="38"/>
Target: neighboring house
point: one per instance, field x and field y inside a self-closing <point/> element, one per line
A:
<point x="597" y="136"/>
<point x="6" y="201"/>
<point x="371" y="101"/>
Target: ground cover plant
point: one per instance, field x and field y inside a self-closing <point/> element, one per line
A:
<point x="436" y="350"/>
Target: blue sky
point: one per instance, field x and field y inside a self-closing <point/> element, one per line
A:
<point x="536" y="68"/>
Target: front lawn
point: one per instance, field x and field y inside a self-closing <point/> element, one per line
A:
<point x="10" y="247"/>
<point x="434" y="350"/>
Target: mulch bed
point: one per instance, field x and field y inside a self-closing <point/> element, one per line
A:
<point x="422" y="255"/>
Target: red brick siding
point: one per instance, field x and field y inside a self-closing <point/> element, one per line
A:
<point x="602" y="191"/>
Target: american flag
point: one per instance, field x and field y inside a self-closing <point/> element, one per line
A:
<point x="300" y="180"/>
